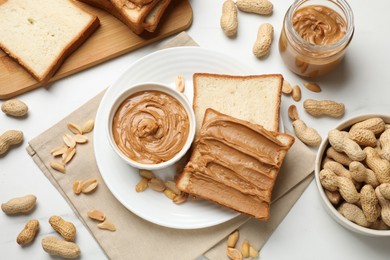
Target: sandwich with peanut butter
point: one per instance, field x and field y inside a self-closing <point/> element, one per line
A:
<point x="235" y="164"/>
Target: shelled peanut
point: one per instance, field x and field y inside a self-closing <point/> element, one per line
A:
<point x="355" y="173"/>
<point x="168" y="188"/>
<point x="247" y="250"/>
<point x="67" y="150"/>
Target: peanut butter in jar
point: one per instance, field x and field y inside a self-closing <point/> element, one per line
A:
<point x="315" y="36"/>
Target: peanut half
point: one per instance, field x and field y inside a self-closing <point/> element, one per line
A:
<point x="157" y="185"/>
<point x="69" y="140"/>
<point x="77" y="187"/>
<point x="312" y="86"/>
<point x="88" y="126"/>
<point x="142" y="185"/>
<point x="58" y="166"/>
<point x="96" y="215"/>
<point x="80" y="139"/>
<point x="245" y="248"/>
<point x="107" y="225"/>
<point x="169" y="194"/>
<point x="296" y="93"/>
<point x="89" y="185"/>
<point x="233" y="253"/>
<point x="263" y="41"/>
<point x="293" y="113"/>
<point x="60" y="150"/>
<point x="74" y="128"/>
<point x="146" y="174"/>
<point x="233" y="238"/>
<point x="68" y="155"/>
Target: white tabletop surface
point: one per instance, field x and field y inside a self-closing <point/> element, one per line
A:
<point x="361" y="82"/>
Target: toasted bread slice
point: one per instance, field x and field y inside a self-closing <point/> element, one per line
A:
<point x="254" y="98"/>
<point x="41" y="34"/>
<point x="235" y="164"/>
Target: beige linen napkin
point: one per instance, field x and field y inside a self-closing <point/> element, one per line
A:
<point x="135" y="237"/>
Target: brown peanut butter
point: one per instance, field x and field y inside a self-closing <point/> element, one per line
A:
<point x="150" y="127"/>
<point x="235" y="163"/>
<point x="314" y="38"/>
<point x="319" y="25"/>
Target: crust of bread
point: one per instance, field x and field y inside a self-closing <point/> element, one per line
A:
<point x="277" y="100"/>
<point x="69" y="49"/>
<point x="153" y="19"/>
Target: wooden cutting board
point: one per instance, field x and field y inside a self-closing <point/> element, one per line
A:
<point x="110" y="40"/>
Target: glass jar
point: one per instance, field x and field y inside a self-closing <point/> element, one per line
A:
<point x="310" y="59"/>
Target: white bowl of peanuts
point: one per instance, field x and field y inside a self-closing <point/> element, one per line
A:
<point x="352" y="173"/>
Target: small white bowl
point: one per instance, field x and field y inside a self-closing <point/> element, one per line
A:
<point x="152" y="86"/>
<point x="345" y="125"/>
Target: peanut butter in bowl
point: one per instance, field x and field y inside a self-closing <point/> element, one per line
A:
<point x="151" y="126"/>
<point x="315" y="36"/>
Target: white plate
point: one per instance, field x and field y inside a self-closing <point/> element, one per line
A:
<point x="162" y="66"/>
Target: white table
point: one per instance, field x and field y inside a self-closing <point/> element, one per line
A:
<point x="362" y="83"/>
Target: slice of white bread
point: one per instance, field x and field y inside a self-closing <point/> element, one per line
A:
<point x="40" y="34"/>
<point x="235" y="163"/>
<point x="254" y="98"/>
<point x="136" y="18"/>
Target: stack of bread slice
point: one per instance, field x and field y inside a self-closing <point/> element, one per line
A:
<point x="238" y="151"/>
<point x="41" y="34"/>
<point x="138" y="15"/>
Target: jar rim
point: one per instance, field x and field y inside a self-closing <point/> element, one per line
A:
<point x="344" y="41"/>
